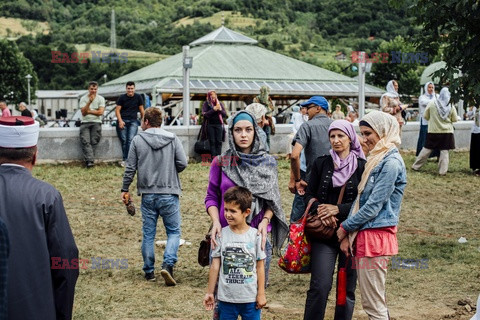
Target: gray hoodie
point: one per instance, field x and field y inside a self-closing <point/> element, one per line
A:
<point x="158" y="157"/>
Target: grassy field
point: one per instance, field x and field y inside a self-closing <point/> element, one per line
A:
<point x="436" y="212"/>
<point x="16" y="27"/>
<point x="235" y="19"/>
<point x="131" y="54"/>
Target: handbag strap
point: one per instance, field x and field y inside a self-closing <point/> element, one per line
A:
<point x="203" y="127"/>
<point x="208" y="235"/>
<point x="340" y="196"/>
<point x="307" y="210"/>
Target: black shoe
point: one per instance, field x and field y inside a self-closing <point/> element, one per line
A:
<point x="90" y="164"/>
<point x="167" y="274"/>
<point x="150" y="276"/>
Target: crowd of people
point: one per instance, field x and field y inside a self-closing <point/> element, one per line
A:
<point x="354" y="183"/>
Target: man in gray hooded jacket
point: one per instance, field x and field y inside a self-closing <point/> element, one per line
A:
<point x="158" y="157"/>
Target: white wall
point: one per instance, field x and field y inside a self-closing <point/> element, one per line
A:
<point x="63" y="144"/>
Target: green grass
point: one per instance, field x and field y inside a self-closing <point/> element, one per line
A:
<point x="436" y="211"/>
<point x="234" y="19"/>
<point x="13" y="28"/>
<point x="132" y="54"/>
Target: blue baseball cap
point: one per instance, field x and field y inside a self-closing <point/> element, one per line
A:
<point x="316" y="100"/>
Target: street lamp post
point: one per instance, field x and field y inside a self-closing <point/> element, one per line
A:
<point x="363" y="67"/>
<point x="187" y="65"/>
<point x="29" y="77"/>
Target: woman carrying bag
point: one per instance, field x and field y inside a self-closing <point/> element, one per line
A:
<point x="341" y="169"/>
<point x="213" y="112"/>
<point x="373" y="219"/>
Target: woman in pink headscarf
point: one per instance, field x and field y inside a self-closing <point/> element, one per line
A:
<point x="213" y="112"/>
<point x="341" y="169"/>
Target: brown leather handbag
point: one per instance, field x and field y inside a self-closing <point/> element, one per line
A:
<point x="315" y="229"/>
<point x="203" y="257"/>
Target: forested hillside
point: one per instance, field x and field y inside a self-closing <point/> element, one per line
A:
<point x="310" y="30"/>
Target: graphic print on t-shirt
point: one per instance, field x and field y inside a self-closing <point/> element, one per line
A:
<point x="238" y="263"/>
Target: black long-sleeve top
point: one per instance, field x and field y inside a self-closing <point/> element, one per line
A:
<point x="320" y="186"/>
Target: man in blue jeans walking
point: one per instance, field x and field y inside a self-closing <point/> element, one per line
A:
<point x="128" y="105"/>
<point x="158" y="157"/>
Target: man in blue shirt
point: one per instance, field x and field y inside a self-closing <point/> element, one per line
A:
<point x="312" y="137"/>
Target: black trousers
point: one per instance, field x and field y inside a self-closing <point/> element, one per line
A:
<point x="215" y="133"/>
<point x="323" y="258"/>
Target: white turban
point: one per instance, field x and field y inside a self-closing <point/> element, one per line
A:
<point x="18" y="132"/>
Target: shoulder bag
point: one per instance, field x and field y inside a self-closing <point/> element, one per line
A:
<point x="202" y="146"/>
<point x="315" y="229"/>
<point x="203" y="257"/>
<point x="296" y="257"/>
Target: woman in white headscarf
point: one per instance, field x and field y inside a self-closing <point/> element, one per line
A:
<point x="297" y="121"/>
<point x="428" y="95"/>
<point x="440" y="116"/>
<point x="390" y="102"/>
<point x="372" y="222"/>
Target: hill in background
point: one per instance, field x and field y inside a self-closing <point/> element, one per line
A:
<point x="310" y="30"/>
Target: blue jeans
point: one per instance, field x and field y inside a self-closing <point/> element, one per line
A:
<point x="298" y="205"/>
<point x="168" y="207"/>
<point x="231" y="311"/>
<point x="126" y="136"/>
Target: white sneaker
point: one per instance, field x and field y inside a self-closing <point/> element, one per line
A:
<point x="122" y="164"/>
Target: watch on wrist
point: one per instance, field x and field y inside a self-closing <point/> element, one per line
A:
<point x="298" y="180"/>
<point x="124" y="190"/>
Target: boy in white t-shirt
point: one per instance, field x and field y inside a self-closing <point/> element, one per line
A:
<point x="237" y="263"/>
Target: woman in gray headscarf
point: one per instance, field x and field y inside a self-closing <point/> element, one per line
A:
<point x="247" y="164"/>
<point x="440" y="116"/>
<point x="423" y="101"/>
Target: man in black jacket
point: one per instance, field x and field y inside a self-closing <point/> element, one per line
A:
<point x="39" y="231"/>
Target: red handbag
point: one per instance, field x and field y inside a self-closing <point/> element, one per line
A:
<point x="296" y="256"/>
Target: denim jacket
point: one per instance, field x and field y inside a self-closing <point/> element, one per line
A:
<point x="381" y="199"/>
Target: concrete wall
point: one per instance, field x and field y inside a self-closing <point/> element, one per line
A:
<point x="63" y="144"/>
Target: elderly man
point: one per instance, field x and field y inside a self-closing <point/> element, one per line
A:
<point x="4" y="109"/>
<point x="92" y="107"/>
<point x="22" y="107"/>
<point x="38" y="286"/>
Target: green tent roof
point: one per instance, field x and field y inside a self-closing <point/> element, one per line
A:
<point x="238" y="68"/>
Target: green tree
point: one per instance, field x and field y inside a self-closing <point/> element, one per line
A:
<point x="13" y="69"/>
<point x="452" y="27"/>
<point x="405" y="70"/>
